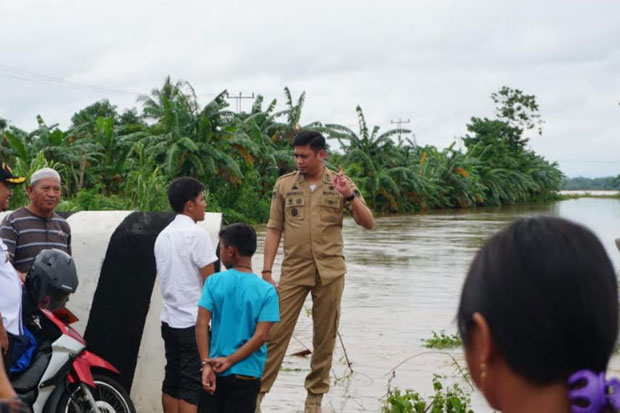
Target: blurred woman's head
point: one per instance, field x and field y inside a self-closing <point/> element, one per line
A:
<point x="539" y="303"/>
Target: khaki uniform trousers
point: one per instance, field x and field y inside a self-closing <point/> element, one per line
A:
<point x="325" y="317"/>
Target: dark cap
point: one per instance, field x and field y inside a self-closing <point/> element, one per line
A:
<point x="6" y="175"/>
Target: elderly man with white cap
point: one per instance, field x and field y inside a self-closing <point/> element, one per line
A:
<point x="36" y="227"/>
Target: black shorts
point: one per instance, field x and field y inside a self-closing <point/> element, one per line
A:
<point x="233" y="394"/>
<point x="182" y="379"/>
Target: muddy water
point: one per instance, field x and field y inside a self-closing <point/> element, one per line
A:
<point x="403" y="282"/>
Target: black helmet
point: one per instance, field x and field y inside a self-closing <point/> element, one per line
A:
<point x="52" y="277"/>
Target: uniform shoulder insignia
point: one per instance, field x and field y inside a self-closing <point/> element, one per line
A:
<point x="287" y="175"/>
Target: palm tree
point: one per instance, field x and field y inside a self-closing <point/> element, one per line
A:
<point x="366" y="140"/>
<point x="370" y="159"/>
<point x="261" y="128"/>
<point x="215" y="145"/>
<point x="378" y="181"/>
<point x="285" y="131"/>
<point x="169" y="140"/>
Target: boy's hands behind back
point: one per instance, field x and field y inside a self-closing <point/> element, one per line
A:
<point x="208" y="379"/>
<point x="219" y="364"/>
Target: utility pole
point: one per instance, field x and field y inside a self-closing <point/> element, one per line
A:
<point x="238" y="100"/>
<point x="400" y="122"/>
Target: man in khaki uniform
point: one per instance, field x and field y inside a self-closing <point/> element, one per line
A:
<point x="307" y="208"/>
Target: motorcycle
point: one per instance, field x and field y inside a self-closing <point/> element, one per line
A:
<point x="63" y="376"/>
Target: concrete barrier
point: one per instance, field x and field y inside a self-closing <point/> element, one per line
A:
<point x="118" y="300"/>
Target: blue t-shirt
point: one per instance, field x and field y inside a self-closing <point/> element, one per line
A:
<point x="237" y="302"/>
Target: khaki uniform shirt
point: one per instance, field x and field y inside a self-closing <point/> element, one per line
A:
<point x="311" y="226"/>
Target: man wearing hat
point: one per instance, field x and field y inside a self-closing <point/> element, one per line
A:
<point x="10" y="284"/>
<point x="36" y="227"/>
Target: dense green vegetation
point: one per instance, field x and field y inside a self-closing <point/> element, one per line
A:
<point x="607" y="183"/>
<point x="445" y="399"/>
<point x="112" y="160"/>
<point x="443" y="341"/>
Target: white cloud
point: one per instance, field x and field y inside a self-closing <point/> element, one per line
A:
<point x="434" y="62"/>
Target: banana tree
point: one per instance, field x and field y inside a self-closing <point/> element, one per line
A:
<point x="170" y="139"/>
<point x="367" y="140"/>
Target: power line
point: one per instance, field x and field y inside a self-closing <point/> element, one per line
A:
<point x="26" y="75"/>
<point x="40" y="78"/>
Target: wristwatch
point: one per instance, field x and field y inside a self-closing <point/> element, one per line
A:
<point x="350" y="197"/>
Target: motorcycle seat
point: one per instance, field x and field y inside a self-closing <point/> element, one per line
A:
<point x="28" y="379"/>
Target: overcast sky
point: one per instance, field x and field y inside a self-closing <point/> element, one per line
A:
<point x="434" y="62"/>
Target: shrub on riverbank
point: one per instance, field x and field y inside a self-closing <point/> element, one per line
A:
<point x="445" y="399"/>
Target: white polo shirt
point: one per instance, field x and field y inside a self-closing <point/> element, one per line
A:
<point x="181" y="250"/>
<point x="10" y="294"/>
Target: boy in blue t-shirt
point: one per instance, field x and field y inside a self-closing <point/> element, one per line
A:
<point x="241" y="307"/>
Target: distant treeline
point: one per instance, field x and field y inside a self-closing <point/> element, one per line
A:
<point x="607" y="183"/>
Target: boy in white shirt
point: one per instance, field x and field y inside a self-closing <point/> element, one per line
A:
<point x="185" y="258"/>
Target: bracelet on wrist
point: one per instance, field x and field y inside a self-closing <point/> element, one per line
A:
<point x="203" y="363"/>
<point x="350" y="197"/>
<point x="265" y="271"/>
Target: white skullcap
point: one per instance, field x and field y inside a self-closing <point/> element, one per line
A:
<point x="42" y="174"/>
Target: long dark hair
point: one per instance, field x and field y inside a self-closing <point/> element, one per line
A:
<point x="549" y="294"/>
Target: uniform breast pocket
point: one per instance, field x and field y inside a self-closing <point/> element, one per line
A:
<point x="295" y="208"/>
<point x="331" y="210"/>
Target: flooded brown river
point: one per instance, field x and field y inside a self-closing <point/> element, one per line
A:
<point x="403" y="282"/>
